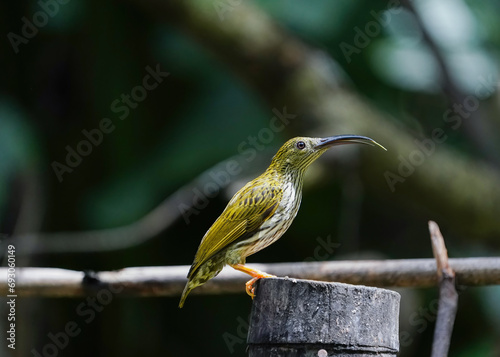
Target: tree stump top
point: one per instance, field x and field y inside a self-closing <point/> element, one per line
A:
<point x="323" y="318"/>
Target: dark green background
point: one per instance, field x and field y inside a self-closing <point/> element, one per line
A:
<point x="64" y="80"/>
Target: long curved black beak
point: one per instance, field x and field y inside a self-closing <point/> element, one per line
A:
<point x="346" y="139"/>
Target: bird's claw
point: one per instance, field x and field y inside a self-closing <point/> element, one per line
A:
<point x="249" y="286"/>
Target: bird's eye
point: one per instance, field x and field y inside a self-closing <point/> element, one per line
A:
<point x="301" y="145"/>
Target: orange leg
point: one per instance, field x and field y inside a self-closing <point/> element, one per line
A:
<point x="257" y="274"/>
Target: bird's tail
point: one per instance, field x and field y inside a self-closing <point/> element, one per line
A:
<point x="199" y="277"/>
<point x="189" y="286"/>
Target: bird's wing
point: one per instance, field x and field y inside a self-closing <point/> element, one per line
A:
<point x="242" y="217"/>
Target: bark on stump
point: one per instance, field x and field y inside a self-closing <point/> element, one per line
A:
<point x="292" y="317"/>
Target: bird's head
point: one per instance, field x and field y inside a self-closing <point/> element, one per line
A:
<point x="298" y="153"/>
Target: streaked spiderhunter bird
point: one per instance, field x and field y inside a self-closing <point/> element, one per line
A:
<point x="260" y="212"/>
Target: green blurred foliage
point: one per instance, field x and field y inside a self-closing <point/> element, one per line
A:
<point x="65" y="79"/>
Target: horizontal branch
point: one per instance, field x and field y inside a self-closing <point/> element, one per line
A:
<point x="170" y="280"/>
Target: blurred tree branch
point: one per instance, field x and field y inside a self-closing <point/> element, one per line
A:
<point x="151" y="225"/>
<point x="170" y="280"/>
<point x="286" y="71"/>
<point x="475" y="128"/>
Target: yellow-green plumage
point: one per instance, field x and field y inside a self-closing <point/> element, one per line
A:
<point x="261" y="211"/>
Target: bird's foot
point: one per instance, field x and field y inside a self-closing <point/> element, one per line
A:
<point x="250" y="288"/>
<point x="256" y="274"/>
<point x="249" y="285"/>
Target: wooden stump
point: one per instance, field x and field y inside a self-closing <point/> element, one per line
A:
<point x="292" y="317"/>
